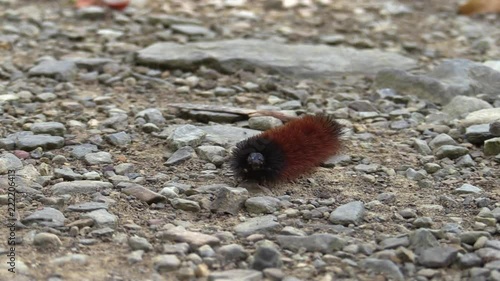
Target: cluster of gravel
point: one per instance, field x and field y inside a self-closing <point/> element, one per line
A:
<point x="115" y="183"/>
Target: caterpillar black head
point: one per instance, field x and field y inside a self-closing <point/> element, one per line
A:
<point x="255" y="160"/>
<point x="258" y="158"/>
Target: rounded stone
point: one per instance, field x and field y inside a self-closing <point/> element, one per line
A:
<point x="139" y="243"/>
<point x="47" y="241"/>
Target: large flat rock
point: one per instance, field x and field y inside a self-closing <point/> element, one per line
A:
<point x="449" y="79"/>
<point x="227" y="135"/>
<point x="79" y="187"/>
<point x="299" y="60"/>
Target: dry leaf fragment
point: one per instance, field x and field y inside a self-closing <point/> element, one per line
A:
<point x="479" y="7"/>
<point x="113" y="4"/>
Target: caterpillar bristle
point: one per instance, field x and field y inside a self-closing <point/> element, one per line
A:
<point x="287" y="152"/>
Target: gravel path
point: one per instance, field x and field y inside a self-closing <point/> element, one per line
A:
<point x="116" y="128"/>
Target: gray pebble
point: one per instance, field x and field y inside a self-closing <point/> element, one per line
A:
<point x="488" y="254"/>
<point x="232" y="253"/>
<point x="7" y="144"/>
<point x="422" y="239"/>
<point x="140" y="192"/>
<point x="152" y="115"/>
<point x="178" y="249"/>
<point x="266" y="257"/>
<point x="274" y="274"/>
<point x="98" y="158"/>
<point x="422" y="147"/>
<point x="169" y="192"/>
<point x="210" y="152"/>
<point x="466" y="161"/>
<point x="408" y="213"/>
<point x="470" y="237"/>
<point x="399" y="125"/>
<point x="226" y="134"/>
<point x="236" y="274"/>
<point x="440" y="140"/>
<point x="192" y="30"/>
<point x="67" y="174"/>
<point x="47" y="217"/>
<point x="222" y="91"/>
<point x="78" y="259"/>
<point x="415" y="175"/>
<point x="492" y="146"/>
<point x="495" y="129"/>
<point x="338" y="160"/>
<point x="139" y="243"/>
<point x="370" y="168"/>
<point x="119" y="139"/>
<point x="49" y="128"/>
<point x="437" y="257"/>
<point x="394" y="242"/>
<point x="468" y="189"/>
<point x="9" y="161"/>
<point x="46" y="97"/>
<point x="291" y="105"/>
<point x="495" y="267"/>
<point x="263" y="123"/>
<point x="87" y="206"/>
<point x="461" y="105"/>
<point x="351" y="212"/>
<point x="450" y="151"/>
<point x="496" y="213"/>
<point x="368" y="114"/>
<point x="292" y="231"/>
<point x="290" y="278"/>
<point x="423" y="222"/>
<point x="47" y="241"/>
<point x="353" y="249"/>
<point x="383" y="266"/>
<point x="452" y="228"/>
<point x="32" y="142"/>
<point x="386" y="197"/>
<point x="80" y="187"/>
<point x="101" y="232"/>
<point x="229" y="199"/>
<point x="477" y="134"/>
<point x="102" y="218"/>
<point x="117" y="122"/>
<point x="262" y="205"/>
<point x="91" y="12"/>
<point x="333" y="39"/>
<point x="135" y="256"/>
<point x="59" y="70"/>
<point x="431" y="168"/>
<point x="166" y="263"/>
<point x="362" y="106"/>
<point x="470" y="260"/>
<point x="186" y="135"/>
<point x="150" y="128"/>
<point x="124" y="168"/>
<point x="265" y="224"/>
<point x="79" y="151"/>
<point x="180" y="156"/>
<point x="324" y="242"/>
<point x="186" y="205"/>
<point x="218" y="117"/>
<point x="59" y="160"/>
<point x="206" y="251"/>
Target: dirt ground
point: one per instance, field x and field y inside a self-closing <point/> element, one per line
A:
<point x="389" y="148"/>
